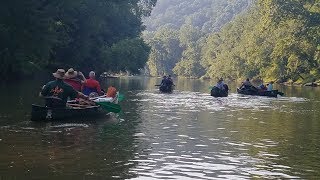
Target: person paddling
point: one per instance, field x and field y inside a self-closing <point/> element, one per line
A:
<point x="58" y="91"/>
<point x="163" y="81"/>
<point x="169" y="81"/>
<point x="220" y="84"/>
<point x="91" y="86"/>
<point x="246" y="84"/>
<point x="262" y="87"/>
<point x="74" y="79"/>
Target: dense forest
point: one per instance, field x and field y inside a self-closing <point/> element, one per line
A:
<point x="270" y="39"/>
<point x="177" y="31"/>
<point x="274" y="40"/>
<point x="86" y="34"/>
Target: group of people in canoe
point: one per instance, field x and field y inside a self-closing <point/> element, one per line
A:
<point x="166" y="84"/>
<point x="247" y="85"/>
<point x="71" y="85"/>
<point x="221" y="89"/>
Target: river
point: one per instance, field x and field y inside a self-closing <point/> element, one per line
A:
<point x="184" y="135"/>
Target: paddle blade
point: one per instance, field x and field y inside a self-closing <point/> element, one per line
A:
<point x="111" y="107"/>
<point x="120" y="97"/>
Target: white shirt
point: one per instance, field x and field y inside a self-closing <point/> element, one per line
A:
<point x="270" y="87"/>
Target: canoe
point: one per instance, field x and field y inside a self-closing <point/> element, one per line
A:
<point x="42" y="113"/>
<point x="311" y="84"/>
<point x="273" y="93"/>
<point x="166" y="89"/>
<point x="216" y="92"/>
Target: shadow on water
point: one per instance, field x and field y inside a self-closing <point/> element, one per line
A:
<point x="94" y="148"/>
<point x="184" y="135"/>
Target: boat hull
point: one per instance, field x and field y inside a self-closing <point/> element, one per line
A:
<point x="216" y="92"/>
<point x="273" y="93"/>
<point x="42" y="113"/>
<point x="166" y="89"/>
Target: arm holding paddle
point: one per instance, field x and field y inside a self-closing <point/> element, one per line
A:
<point x="83" y="79"/>
<point x="81" y="95"/>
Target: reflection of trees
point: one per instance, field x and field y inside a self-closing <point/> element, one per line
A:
<point x="17" y="98"/>
<point x="300" y="91"/>
<point x="102" y="149"/>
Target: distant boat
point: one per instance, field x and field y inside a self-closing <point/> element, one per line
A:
<point x="106" y="75"/>
<point x="216" y="92"/>
<point x="166" y="88"/>
<point x="273" y="93"/>
<point x="311" y="84"/>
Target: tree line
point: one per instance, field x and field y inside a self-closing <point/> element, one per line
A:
<point x="274" y="40"/>
<point x="269" y="39"/>
<point x="177" y="31"/>
<point x="104" y="35"/>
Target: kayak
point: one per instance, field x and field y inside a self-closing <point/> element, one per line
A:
<point x="166" y="89"/>
<point x="273" y="93"/>
<point x="216" y="92"/>
<point x="42" y="113"/>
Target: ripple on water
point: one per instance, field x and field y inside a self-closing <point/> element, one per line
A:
<point x="66" y="125"/>
<point x="206" y="147"/>
<point x="185" y="102"/>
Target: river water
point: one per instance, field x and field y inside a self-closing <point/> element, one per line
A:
<point x="184" y="135"/>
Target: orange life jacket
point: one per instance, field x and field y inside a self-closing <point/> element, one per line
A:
<point x="112" y="92"/>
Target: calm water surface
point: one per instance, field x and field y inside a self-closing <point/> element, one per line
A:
<point x="184" y="135"/>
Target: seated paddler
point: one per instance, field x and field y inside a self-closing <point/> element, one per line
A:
<point x="92" y="86"/>
<point x="270" y="86"/>
<point x="163" y="81"/>
<point x="57" y="92"/>
<point x="169" y="81"/>
<point x="74" y="79"/>
<point x="220" y="84"/>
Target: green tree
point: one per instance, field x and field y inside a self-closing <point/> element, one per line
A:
<point x="36" y="34"/>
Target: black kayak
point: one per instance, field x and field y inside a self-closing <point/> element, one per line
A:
<point x="43" y="113"/>
<point x="216" y="92"/>
<point x="273" y="93"/>
<point x="166" y="89"/>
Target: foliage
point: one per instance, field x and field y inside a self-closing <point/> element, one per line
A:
<point x="276" y="39"/>
<point x="38" y="33"/>
<point x="176" y="31"/>
<point x="165" y="51"/>
<point x="272" y="39"/>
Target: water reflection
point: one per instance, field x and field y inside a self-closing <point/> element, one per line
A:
<point x="184" y="135"/>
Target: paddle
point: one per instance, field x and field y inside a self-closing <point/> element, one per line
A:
<point x="111" y="107"/>
<point x="120" y="97"/>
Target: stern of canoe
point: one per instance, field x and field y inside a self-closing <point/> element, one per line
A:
<point x="41" y="113"/>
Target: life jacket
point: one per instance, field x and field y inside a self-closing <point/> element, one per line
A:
<point x="112" y="92"/>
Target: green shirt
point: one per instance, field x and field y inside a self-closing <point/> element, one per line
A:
<point x="59" y="89"/>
